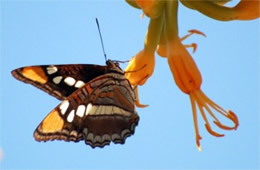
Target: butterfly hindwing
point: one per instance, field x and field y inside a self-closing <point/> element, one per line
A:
<point x="59" y="80"/>
<point x="99" y="112"/>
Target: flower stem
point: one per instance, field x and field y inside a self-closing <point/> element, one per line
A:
<point x="171" y="20"/>
<point x="153" y="34"/>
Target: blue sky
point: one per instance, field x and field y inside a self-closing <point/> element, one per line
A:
<point x="65" y="32"/>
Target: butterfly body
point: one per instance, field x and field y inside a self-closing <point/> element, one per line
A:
<point x="97" y="103"/>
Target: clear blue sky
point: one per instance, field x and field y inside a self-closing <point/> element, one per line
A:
<point x="65" y="32"/>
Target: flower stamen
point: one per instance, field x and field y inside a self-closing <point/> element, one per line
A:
<point x="192" y="45"/>
<point x="191" y="32"/>
<point x="195" y="120"/>
<point x="213" y="132"/>
<point x="203" y="102"/>
<point x="137" y="101"/>
<point x="228" y="114"/>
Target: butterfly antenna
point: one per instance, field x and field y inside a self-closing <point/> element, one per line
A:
<point x="101" y="39"/>
<point x="118" y="61"/>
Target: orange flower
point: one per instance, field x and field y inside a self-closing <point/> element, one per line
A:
<point x="247" y="9"/>
<point x="142" y="64"/>
<point x="151" y="8"/>
<point x="244" y="10"/>
<point x="163" y="36"/>
<point x="188" y="79"/>
<point x="140" y="68"/>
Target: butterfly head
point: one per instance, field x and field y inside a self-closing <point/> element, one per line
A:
<point x="114" y="67"/>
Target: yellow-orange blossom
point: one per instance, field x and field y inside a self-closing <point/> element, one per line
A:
<point x="163" y="36"/>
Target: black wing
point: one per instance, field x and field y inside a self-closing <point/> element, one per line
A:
<point x="101" y="111"/>
<point x="59" y="80"/>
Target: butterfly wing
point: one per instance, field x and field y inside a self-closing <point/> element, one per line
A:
<point x="99" y="112"/>
<point x="59" y="80"/>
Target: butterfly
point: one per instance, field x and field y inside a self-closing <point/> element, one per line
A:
<point x="97" y="102"/>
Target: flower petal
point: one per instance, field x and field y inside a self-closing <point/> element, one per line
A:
<point x="244" y="10"/>
<point x="151" y="8"/>
<point x="247" y="9"/>
<point x="185" y="71"/>
<point x="133" y="4"/>
<point x="141" y="66"/>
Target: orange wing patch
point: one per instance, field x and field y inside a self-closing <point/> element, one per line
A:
<point x="89" y="89"/>
<point x="35" y="74"/>
<point x="52" y="123"/>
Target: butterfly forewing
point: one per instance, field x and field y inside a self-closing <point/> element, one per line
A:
<point x="99" y="112"/>
<point x="59" y="80"/>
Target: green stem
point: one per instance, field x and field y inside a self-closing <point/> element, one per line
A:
<point x="153" y="34"/>
<point x="171" y="20"/>
<point x="211" y="9"/>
